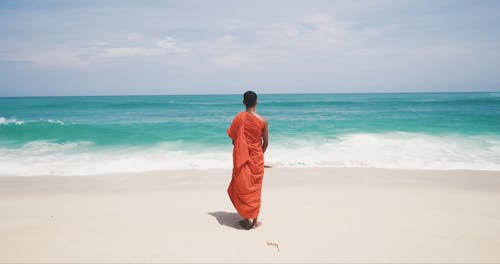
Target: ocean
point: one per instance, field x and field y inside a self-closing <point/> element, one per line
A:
<point x="86" y="135"/>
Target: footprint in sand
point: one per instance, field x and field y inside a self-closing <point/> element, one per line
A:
<point x="273" y="244"/>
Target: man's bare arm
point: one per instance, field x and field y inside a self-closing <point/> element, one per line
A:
<point x="265" y="136"/>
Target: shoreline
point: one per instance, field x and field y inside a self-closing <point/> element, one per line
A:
<point x="311" y="215"/>
<point x="275" y="176"/>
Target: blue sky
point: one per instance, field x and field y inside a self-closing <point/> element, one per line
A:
<point x="193" y="47"/>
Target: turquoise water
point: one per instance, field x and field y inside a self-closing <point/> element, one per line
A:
<point x="87" y="135"/>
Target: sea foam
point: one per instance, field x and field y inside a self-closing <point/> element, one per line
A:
<point x="83" y="158"/>
<point x="4" y="120"/>
<point x="396" y="150"/>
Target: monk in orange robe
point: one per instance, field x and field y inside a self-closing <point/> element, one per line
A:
<point x="249" y="132"/>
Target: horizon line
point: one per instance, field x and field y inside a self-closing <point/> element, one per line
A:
<point x="299" y="93"/>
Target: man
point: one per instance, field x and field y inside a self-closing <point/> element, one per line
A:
<point x="249" y="132"/>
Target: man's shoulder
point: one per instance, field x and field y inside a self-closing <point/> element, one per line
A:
<point x="262" y="118"/>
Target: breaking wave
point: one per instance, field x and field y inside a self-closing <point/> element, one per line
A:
<point x="385" y="150"/>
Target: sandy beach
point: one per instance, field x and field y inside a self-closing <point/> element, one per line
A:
<point x="359" y="131"/>
<point x="313" y="215"/>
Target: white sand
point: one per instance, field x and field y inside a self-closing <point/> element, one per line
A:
<point x="314" y="215"/>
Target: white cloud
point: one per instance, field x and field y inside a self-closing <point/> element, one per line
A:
<point x="99" y="43"/>
<point x="168" y="44"/>
<point x="226" y="39"/>
<point x="322" y="23"/>
<point x="324" y="28"/>
<point x="50" y="59"/>
<point x="124" y="52"/>
<point x="164" y="46"/>
<point x="235" y="24"/>
<point x="292" y="32"/>
<point x="135" y="36"/>
<point x="72" y="56"/>
<point x="233" y="60"/>
<point x="316" y="33"/>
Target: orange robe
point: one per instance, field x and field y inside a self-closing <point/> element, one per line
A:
<point x="248" y="164"/>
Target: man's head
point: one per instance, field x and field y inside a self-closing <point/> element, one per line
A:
<point x="250" y="99"/>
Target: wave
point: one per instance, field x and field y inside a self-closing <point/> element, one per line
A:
<point x="55" y="122"/>
<point x="5" y="121"/>
<point x="84" y="158"/>
<point x="386" y="150"/>
<point x="397" y="150"/>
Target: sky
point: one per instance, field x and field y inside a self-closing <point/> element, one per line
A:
<point x="212" y="47"/>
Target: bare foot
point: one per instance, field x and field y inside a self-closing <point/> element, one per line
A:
<point x="256" y="224"/>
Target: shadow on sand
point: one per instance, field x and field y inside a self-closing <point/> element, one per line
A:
<point x="228" y="219"/>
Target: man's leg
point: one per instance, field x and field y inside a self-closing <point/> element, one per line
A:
<point x="255" y="224"/>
